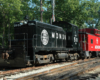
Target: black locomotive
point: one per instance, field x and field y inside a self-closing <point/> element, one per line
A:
<point x="35" y="42"/>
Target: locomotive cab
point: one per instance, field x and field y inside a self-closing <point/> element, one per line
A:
<point x="71" y="35"/>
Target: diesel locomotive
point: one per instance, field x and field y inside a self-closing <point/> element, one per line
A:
<point x="35" y="43"/>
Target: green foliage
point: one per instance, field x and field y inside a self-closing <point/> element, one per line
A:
<point x="78" y="12"/>
<point x="8" y="10"/>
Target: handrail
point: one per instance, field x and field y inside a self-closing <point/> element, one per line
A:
<point x="19" y="39"/>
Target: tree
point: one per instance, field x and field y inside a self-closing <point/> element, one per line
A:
<point x="10" y="11"/>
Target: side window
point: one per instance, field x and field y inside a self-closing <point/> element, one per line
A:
<point x="92" y="41"/>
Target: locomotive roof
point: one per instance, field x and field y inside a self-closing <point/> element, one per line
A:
<point x="42" y="24"/>
<point x="46" y="25"/>
<point x="91" y="28"/>
<point x="65" y="22"/>
<point x="86" y="33"/>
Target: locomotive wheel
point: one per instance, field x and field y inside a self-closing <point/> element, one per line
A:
<point x="85" y="57"/>
<point x="76" y="57"/>
<point x="71" y="58"/>
<point x="36" y="62"/>
<point x="99" y="54"/>
<point x="51" y="61"/>
<point x="96" y="54"/>
<point x="90" y="55"/>
<point x="54" y="61"/>
<point x="66" y="59"/>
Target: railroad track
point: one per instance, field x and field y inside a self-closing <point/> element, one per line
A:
<point x="51" y="71"/>
<point x="92" y="74"/>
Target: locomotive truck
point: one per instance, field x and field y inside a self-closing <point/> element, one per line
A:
<point x="35" y="43"/>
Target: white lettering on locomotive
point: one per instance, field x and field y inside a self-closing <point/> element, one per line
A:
<point x="53" y="35"/>
<point x="65" y="37"/>
<point x="91" y="46"/>
<point x="97" y="40"/>
<point x="57" y="35"/>
<point x="75" y="39"/>
<point x="97" y="47"/>
<point x="44" y="37"/>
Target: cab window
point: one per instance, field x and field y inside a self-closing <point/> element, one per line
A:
<point x="91" y="41"/>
